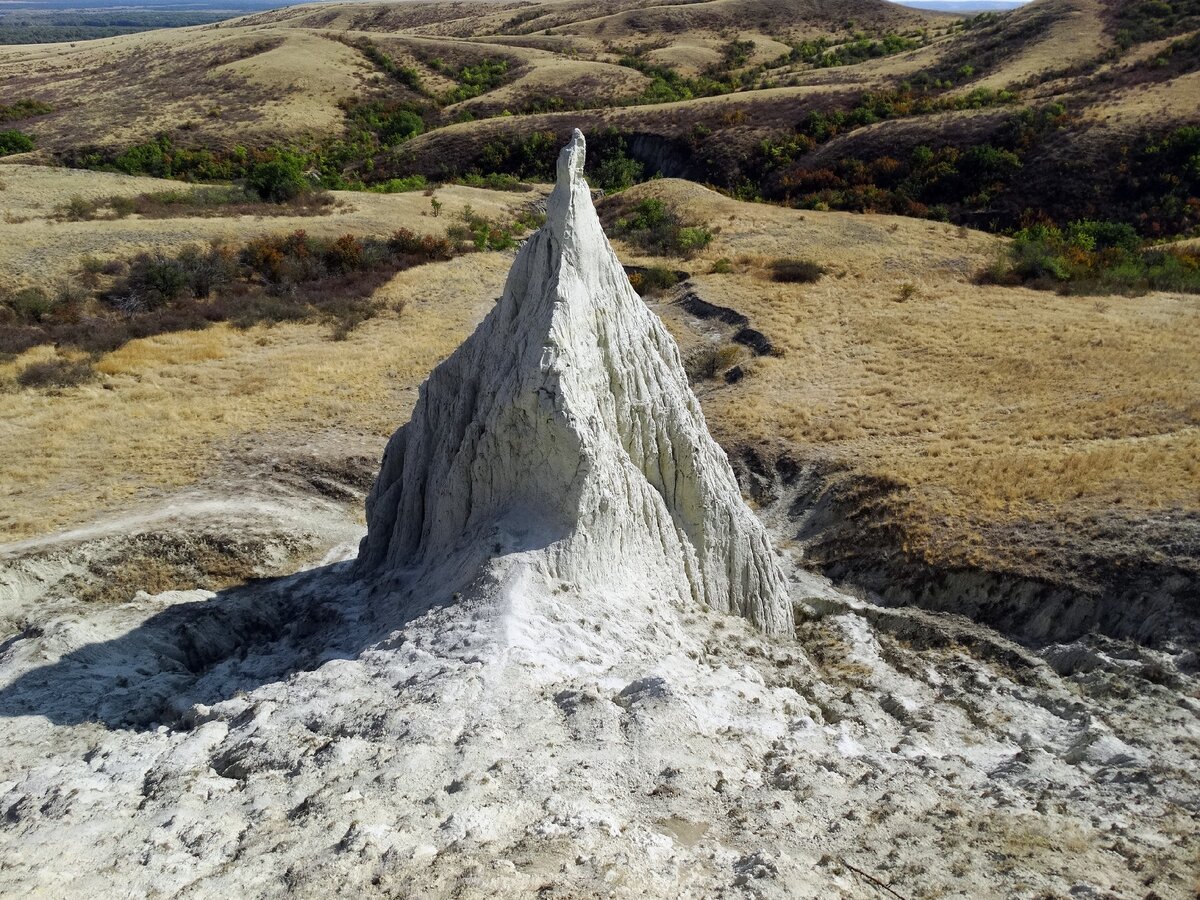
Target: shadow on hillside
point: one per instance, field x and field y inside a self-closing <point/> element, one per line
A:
<point x="194" y="653"/>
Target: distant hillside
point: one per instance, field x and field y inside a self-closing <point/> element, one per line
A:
<point x="968" y="7"/>
<point x="866" y="106"/>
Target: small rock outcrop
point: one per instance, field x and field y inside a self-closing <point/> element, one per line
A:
<point x="565" y="426"/>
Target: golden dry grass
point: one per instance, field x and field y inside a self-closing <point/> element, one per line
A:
<point x="990" y="403"/>
<point x="36" y="246"/>
<point x="167" y="405"/>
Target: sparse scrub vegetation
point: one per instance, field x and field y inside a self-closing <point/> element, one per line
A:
<point x="405" y="75"/>
<point x="198" y="202"/>
<point x="1095" y="258"/>
<point x="655" y="228"/>
<point x="23" y="109"/>
<point x="823" y="53"/>
<point x="711" y="360"/>
<point x="481" y="233"/>
<point x="14" y="141"/>
<point x="652" y="280"/>
<point x="1151" y="20"/>
<point x="287" y="277"/>
<point x="56" y="373"/>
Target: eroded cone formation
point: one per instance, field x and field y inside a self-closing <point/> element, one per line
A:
<point x="565" y="426"/>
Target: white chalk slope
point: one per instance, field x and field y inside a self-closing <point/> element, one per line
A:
<point x="564" y="429"/>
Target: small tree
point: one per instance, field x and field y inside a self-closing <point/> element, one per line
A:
<point x="280" y="178"/>
<point x="14" y="142"/>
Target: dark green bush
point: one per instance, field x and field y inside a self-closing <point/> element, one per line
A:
<point x="31" y="304"/>
<point x="797" y="271"/>
<point x="655" y="228"/>
<point x="15" y="142"/>
<point x="280" y="178"/>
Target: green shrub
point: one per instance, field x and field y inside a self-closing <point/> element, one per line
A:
<point x="31" y="304"/>
<point x="693" y="239"/>
<point x="23" y="109"/>
<point x="796" y="271"/>
<point x="155" y="280"/>
<point x="75" y="208"/>
<point x="495" y="181"/>
<point x="656" y="229"/>
<point x="400" y="185"/>
<point x="15" y="142"/>
<point x="723" y="266"/>
<point x="1096" y="257"/>
<point x="656" y="279"/>
<point x="482" y="232"/>
<point x="280" y="178"/>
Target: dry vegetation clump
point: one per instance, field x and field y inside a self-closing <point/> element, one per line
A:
<point x="274" y="278"/>
<point x="159" y="561"/>
<point x="651" y="281"/>
<point x="796" y="271"/>
<point x="196" y="202"/>
<point x="56" y="373"/>
<point x="711" y="360"/>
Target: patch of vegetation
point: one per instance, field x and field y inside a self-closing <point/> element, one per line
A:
<point x="943" y="182"/>
<point x="992" y="40"/>
<point x="15" y="142"/>
<point x="23" y="109"/>
<point x="477" y="78"/>
<point x="668" y="86"/>
<point x="1095" y="258"/>
<point x="194" y="202"/>
<point x="796" y="271"/>
<point x="405" y="75"/>
<point x="532" y="157"/>
<point x="823" y="53"/>
<point x="493" y="181"/>
<point x="653" y="280"/>
<point x="481" y="232"/>
<point x="1152" y="20"/>
<point x="373" y="128"/>
<point x="405" y="185"/>
<point x="276" y="278"/>
<point x="734" y="55"/>
<point x="56" y="373"/>
<point x="656" y="229"/>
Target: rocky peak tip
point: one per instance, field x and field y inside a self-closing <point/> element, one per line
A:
<point x="571" y="159"/>
<point x="571" y="199"/>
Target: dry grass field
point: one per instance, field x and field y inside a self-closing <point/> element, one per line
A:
<point x="984" y="403"/>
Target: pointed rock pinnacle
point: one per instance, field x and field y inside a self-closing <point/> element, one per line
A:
<point x="563" y="431"/>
